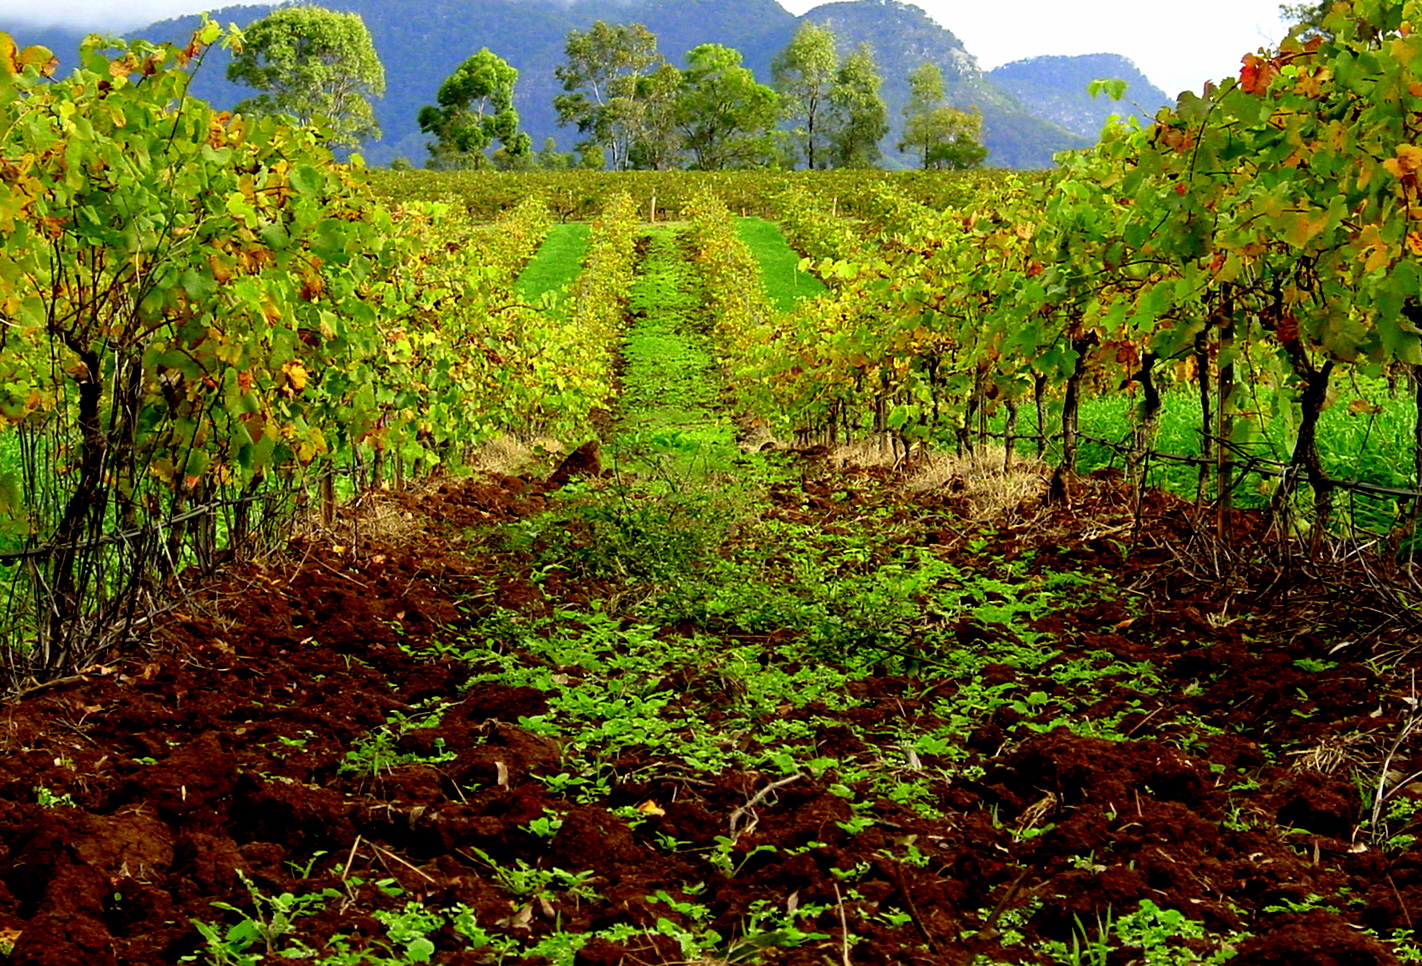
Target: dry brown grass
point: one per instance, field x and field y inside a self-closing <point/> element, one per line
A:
<point x="382" y="515"/>
<point x="992" y="487"/>
<point x="1350" y="748"/>
<point x="511" y="456"/>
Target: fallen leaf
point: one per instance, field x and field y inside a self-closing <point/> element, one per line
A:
<point x="519" y="920"/>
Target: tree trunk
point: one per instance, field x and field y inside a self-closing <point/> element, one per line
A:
<point x="1224" y="429"/>
<point x="1143" y="433"/>
<point x="1305" y="456"/>
<point x="83" y="516"/>
<point x="1071" y="404"/>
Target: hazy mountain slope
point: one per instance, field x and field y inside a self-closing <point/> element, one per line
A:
<point x="1056" y="88"/>
<point x="420" y="43"/>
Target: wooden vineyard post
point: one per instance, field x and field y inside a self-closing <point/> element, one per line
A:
<point x="1009" y="435"/>
<point x="1207" y="439"/>
<point x="1039" y="399"/>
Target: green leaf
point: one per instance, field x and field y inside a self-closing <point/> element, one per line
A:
<point x="1114" y="89"/>
<point x="307" y="180"/>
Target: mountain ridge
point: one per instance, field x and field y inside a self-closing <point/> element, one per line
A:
<point x="1026" y="119"/>
<point x="1054" y="87"/>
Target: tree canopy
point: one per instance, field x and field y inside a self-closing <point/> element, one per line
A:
<point x="650" y="119"/>
<point x="312" y="64"/>
<point x="475" y="109"/>
<point x="725" y="115"/>
<point x="615" y="84"/>
<point x="804" y="75"/>
<point x="943" y="136"/>
<point x="859" y="117"/>
<point x="1308" y="15"/>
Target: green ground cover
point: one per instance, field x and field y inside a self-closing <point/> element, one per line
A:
<point x="557" y="261"/>
<point x="668" y="413"/>
<point x="785" y="283"/>
<point x="1364" y="436"/>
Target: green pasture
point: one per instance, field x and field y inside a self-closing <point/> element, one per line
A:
<point x="785" y="284"/>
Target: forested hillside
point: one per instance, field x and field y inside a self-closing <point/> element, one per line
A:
<point x="421" y="44"/>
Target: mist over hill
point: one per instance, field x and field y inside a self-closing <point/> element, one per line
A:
<point x="1031" y="109"/>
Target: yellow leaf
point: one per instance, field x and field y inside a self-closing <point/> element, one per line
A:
<point x="39" y="58"/>
<point x="649" y="807"/>
<point x="1408" y="160"/>
<point x="1302" y="226"/>
<point x="1376" y="250"/>
<point x="123" y="66"/>
<point x="296" y="376"/>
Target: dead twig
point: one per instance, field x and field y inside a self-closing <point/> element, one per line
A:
<point x="843" y="927"/>
<point x="759" y="796"/>
<point x="388" y="854"/>
<point x="989" y="929"/>
<point x="912" y="907"/>
<point x="1401" y="903"/>
<point x="350" y="859"/>
<point x="1410" y="724"/>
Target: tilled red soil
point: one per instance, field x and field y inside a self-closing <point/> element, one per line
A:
<point x="220" y="754"/>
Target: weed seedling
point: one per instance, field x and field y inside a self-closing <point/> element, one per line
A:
<point x="48" y="799"/>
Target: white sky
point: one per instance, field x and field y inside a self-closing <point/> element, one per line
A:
<point x="1177" y="45"/>
<point x="101" y="14"/>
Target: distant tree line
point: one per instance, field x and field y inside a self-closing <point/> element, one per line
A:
<point x="632" y="107"/>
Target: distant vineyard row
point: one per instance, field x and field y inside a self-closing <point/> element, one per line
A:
<point x="577" y="195"/>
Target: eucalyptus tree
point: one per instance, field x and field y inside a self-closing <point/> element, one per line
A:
<point x="859" y="117"/>
<point x="474" y="109"/>
<point x="942" y="136"/>
<point x="312" y="63"/>
<point x="804" y="75"/>
<point x="612" y="77"/>
<point x="725" y="115"/>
